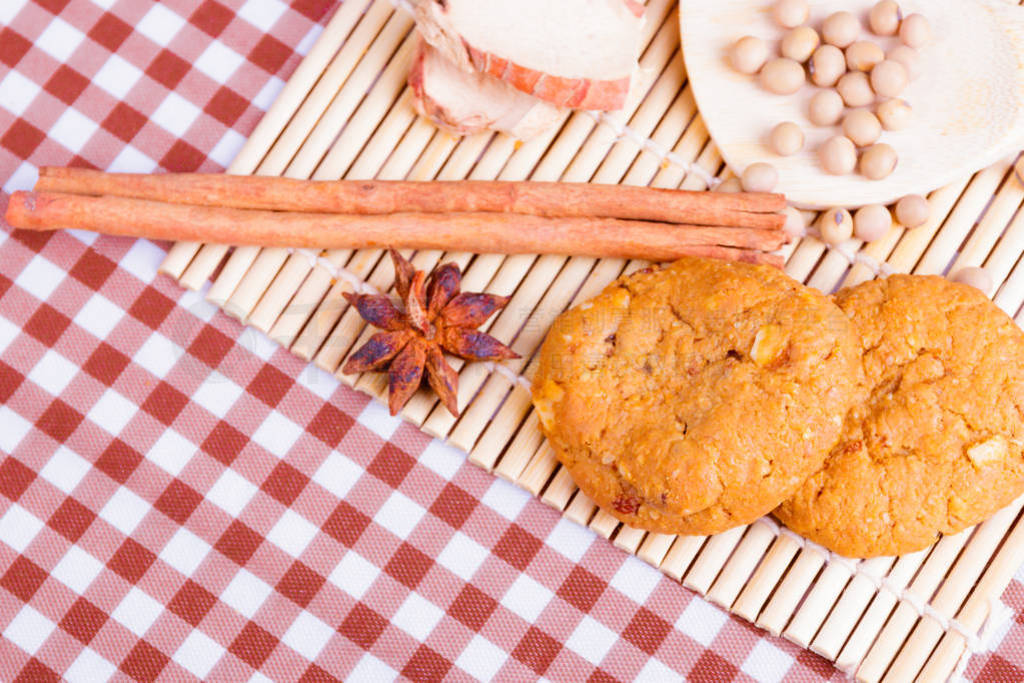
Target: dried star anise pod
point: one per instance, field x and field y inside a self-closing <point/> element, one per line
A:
<point x="437" y="318"/>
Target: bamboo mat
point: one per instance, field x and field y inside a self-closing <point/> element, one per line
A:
<point x="346" y="113"/>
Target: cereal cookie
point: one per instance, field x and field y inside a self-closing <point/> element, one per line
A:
<point x="697" y="397"/>
<point x="938" y="444"/>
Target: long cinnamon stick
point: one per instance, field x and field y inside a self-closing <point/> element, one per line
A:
<point x="462" y="196"/>
<point x="476" y="232"/>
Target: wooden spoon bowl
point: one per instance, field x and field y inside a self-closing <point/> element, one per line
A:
<point x="968" y="101"/>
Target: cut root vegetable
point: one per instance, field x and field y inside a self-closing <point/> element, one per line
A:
<point x="580" y="54"/>
<point x="466" y="102"/>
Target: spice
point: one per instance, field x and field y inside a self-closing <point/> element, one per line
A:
<point x="437" y="318"/>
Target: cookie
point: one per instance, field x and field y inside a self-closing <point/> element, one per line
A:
<point x="697" y="397"/>
<point x="937" y="445"/>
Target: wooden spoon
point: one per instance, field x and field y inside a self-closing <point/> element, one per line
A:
<point x="968" y="101"/>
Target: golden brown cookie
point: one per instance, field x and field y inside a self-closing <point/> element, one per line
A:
<point x="937" y="446"/>
<point x="697" y="397"/>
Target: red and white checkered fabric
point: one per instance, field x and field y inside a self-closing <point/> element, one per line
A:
<point x="179" y="497"/>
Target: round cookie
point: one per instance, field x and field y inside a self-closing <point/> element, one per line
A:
<point x="937" y="446"/>
<point x="697" y="397"/>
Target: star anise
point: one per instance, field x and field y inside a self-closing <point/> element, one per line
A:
<point x="437" y="318"/>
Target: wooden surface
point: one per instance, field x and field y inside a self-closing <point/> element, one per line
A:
<point x="346" y="113"/>
<point x="968" y="103"/>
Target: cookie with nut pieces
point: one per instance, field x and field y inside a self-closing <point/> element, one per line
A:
<point x="696" y="397"/>
<point x="939" y="443"/>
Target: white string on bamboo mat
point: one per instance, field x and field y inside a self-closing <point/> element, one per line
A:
<point x="624" y="132"/>
<point x="999" y="614"/>
<point x="878" y="268"/>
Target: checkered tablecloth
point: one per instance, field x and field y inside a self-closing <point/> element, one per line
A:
<point x="179" y="497"/>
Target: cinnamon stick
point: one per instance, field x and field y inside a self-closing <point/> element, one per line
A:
<point x="580" y="200"/>
<point x="476" y="232"/>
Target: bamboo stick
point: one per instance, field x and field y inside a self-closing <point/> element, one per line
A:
<point x="629" y="539"/>
<point x="560" y="490"/>
<point x="680" y="555"/>
<point x="517" y="405"/>
<point x="1011" y="292"/>
<point x="992" y="584"/>
<point x="712" y="558"/>
<point x="995" y="219"/>
<point x="954" y="590"/>
<point x="892" y="637"/>
<point x="849" y="608"/>
<point x="603" y="523"/>
<point x="790" y="591"/>
<point x="539" y="472"/>
<point x="316" y="330"/>
<point x="821" y="597"/>
<point x="654" y="548"/>
<point x="740" y="567"/>
<point x="341" y="75"/>
<point x="274" y="300"/>
<point x="961" y="220"/>
<point x="581" y="509"/>
<point x="754" y="595"/>
<point x="871" y="623"/>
